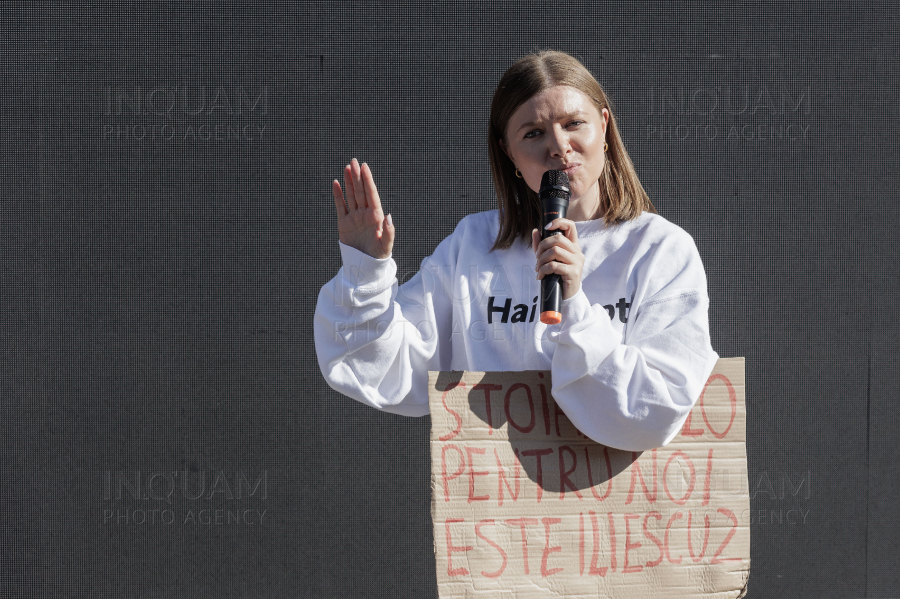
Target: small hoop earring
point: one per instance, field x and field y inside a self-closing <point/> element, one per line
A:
<point x="518" y="174"/>
<point x="605" y="146"/>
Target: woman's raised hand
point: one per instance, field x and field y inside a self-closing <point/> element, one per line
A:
<point x="361" y="222"/>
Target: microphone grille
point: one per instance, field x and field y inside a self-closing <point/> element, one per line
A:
<point x="555" y="184"/>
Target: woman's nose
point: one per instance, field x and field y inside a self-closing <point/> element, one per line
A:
<point x="560" y="144"/>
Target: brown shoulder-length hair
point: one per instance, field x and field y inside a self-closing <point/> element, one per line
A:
<point x="622" y="195"/>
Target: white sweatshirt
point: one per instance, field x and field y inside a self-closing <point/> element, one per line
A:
<point x="628" y="360"/>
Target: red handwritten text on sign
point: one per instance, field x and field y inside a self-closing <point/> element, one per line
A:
<point x="525" y="496"/>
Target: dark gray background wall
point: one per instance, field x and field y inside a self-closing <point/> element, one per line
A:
<point x="165" y="224"/>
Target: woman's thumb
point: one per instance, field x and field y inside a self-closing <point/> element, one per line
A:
<point x="387" y="232"/>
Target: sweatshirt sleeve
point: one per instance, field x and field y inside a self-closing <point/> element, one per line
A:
<point x="634" y="390"/>
<point x="375" y="340"/>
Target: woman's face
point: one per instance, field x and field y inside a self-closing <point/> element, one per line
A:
<point x="561" y="129"/>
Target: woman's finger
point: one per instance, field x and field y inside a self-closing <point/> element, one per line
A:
<point x="339" y="204"/>
<point x="556" y="254"/>
<point x="564" y="269"/>
<point x="566" y="226"/>
<point x="348" y="187"/>
<point x="557" y="241"/>
<point x="368" y="184"/>
<point x="387" y="235"/>
<point x="359" y="191"/>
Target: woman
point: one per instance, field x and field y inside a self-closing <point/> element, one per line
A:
<point x="632" y="352"/>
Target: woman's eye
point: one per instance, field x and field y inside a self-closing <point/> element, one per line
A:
<point x="533" y="133"/>
<point x="575" y="123"/>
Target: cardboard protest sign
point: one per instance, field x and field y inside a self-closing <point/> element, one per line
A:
<point x="526" y="506"/>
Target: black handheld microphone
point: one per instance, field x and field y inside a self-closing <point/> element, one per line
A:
<point x="554" y="196"/>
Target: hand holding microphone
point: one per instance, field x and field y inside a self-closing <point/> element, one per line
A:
<point x="559" y="257"/>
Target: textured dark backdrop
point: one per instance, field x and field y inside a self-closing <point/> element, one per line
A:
<point x="165" y="224"/>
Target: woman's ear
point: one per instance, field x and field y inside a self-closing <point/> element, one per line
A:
<point x="604" y="114"/>
<point x="505" y="149"/>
